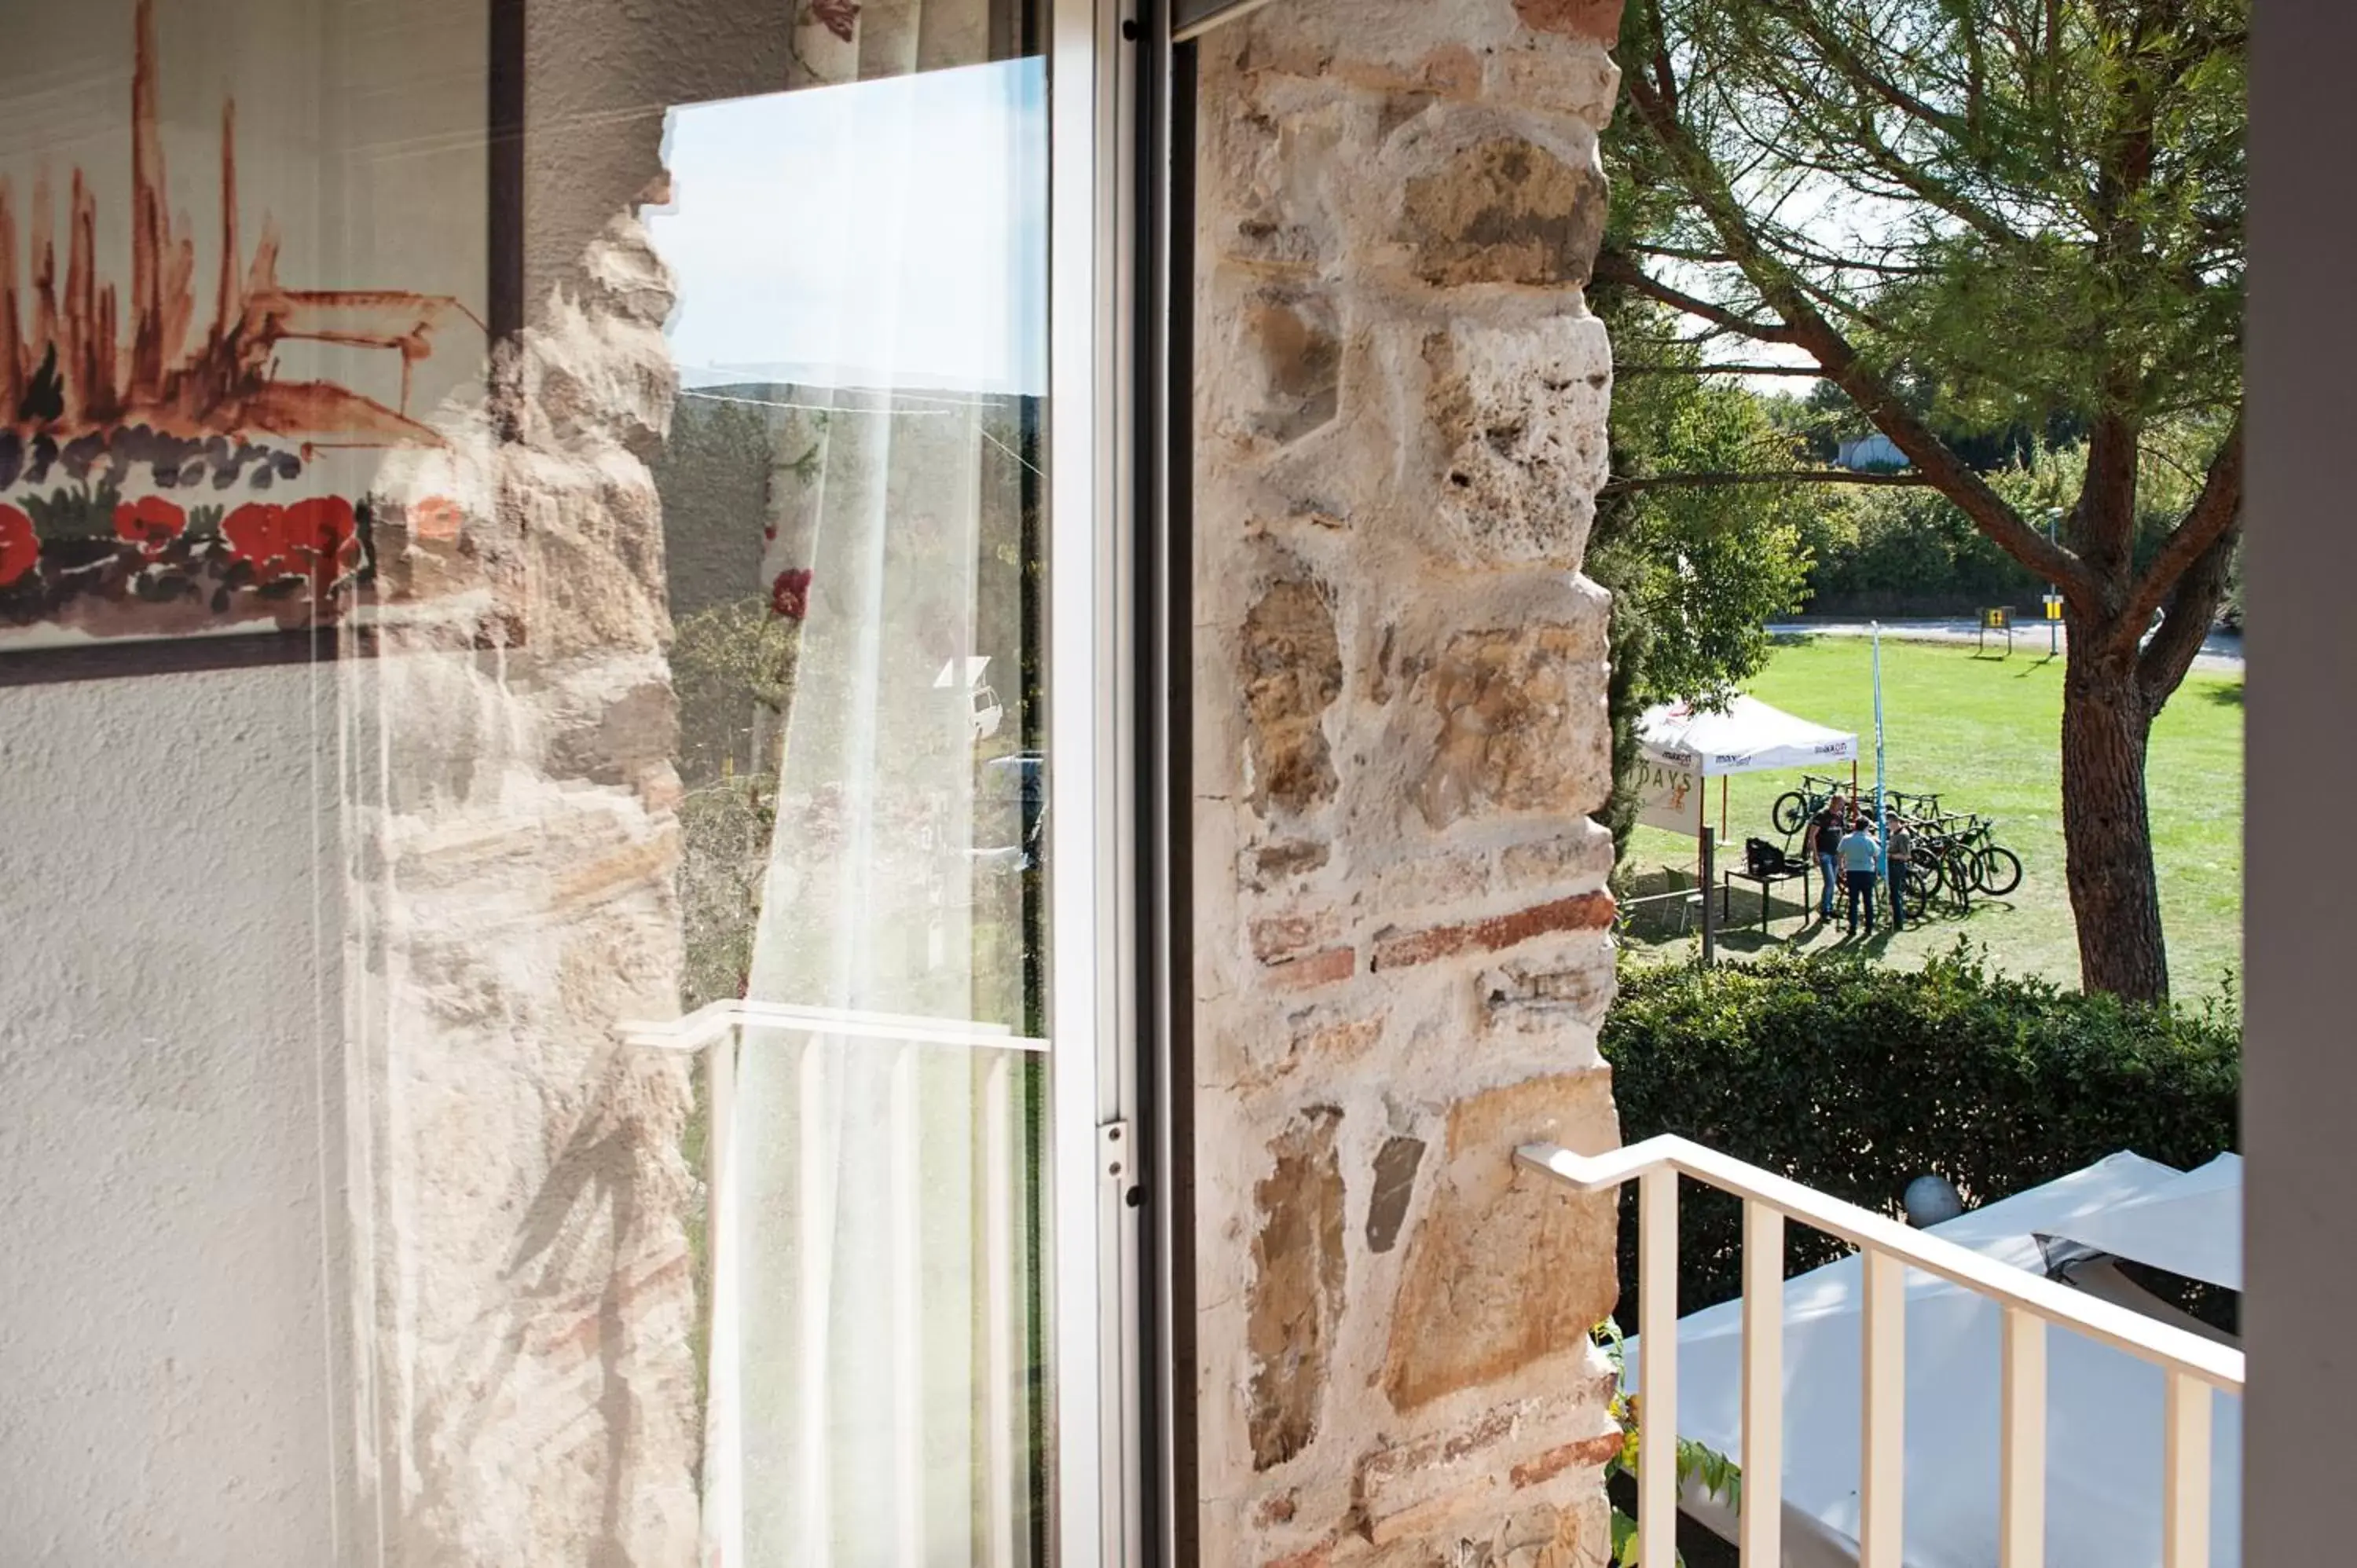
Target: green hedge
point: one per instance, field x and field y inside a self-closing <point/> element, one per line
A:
<point x="1856" y="1079"/>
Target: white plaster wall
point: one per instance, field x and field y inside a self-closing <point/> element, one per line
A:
<point x="169" y="1001"/>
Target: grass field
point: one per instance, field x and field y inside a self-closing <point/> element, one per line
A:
<point x="1986" y="733"/>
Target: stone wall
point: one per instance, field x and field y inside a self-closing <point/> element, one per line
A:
<point x="1403" y="944"/>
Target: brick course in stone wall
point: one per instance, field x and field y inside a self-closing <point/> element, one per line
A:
<point x="1403" y="932"/>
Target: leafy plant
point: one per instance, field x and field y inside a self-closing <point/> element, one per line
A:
<point x="1698" y="1464"/>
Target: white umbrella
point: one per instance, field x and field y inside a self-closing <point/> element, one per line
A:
<point x="2103" y="1406"/>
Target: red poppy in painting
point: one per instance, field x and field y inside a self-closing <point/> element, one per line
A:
<point x="21" y="547"/>
<point x="312" y="537"/>
<point x="789" y="595"/>
<point x="256" y="533"/>
<point x="151" y="522"/>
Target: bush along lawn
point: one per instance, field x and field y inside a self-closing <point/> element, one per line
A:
<point x="1856" y="1078"/>
<point x="1987" y="734"/>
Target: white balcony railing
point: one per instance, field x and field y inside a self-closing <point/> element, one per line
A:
<point x="2193" y="1367"/>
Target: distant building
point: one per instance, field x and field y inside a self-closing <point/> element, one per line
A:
<point x="1868" y="452"/>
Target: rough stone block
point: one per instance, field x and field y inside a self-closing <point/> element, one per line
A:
<point x="1573" y="986"/>
<point x="1517" y="418"/>
<point x="1292" y="672"/>
<point x="1583" y="83"/>
<point x="1505" y="1269"/>
<point x="1395" y="1186"/>
<point x="1296" y="343"/>
<point x="1272" y="865"/>
<point x="1505" y="209"/>
<point x="1432" y="879"/>
<point x="1298" y="1276"/>
<point x="1583" y="852"/>
<point x="1523" y="723"/>
<point x="1331" y="1037"/>
<point x="1265" y="197"/>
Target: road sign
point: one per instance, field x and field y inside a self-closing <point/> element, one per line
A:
<point x="1996" y="619"/>
<point x="2053" y="607"/>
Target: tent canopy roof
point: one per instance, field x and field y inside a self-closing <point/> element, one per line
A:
<point x="1749" y="737"/>
<point x="2191" y="1225"/>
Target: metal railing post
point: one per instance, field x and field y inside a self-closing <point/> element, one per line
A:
<point x="2021" y="1473"/>
<point x="2185" y="1481"/>
<point x="1657" y="1370"/>
<point x="1761" y="1512"/>
<point x="1882" y="1481"/>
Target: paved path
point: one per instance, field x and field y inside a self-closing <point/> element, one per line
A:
<point x="2223" y="652"/>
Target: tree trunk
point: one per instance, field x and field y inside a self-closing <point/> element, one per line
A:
<point x="2107" y="830"/>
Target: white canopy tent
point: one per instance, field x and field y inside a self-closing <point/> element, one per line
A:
<point x="2103" y="1412"/>
<point x="2190" y="1226"/>
<point x="1681" y="746"/>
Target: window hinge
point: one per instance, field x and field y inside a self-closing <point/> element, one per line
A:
<point x="1117" y="1152"/>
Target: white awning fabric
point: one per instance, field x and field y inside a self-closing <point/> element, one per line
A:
<point x="1749" y="737"/>
<point x="2190" y="1226"/>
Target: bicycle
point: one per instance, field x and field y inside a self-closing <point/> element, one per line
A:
<point x="1795" y="807"/>
<point x="1995" y="870"/>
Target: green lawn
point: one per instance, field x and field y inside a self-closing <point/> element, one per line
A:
<point x="1985" y="732"/>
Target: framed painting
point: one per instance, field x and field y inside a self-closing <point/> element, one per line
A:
<point x="254" y="263"/>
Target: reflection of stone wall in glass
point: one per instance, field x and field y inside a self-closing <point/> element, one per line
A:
<point x="529" y="1307"/>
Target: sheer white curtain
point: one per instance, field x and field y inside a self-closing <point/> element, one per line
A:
<point x="873" y="1388"/>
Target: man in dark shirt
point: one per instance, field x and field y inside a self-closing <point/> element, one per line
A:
<point x="1820" y="840"/>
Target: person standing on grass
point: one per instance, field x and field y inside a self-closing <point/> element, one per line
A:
<point x="1821" y="839"/>
<point x="1861" y="860"/>
<point x="1902" y="864"/>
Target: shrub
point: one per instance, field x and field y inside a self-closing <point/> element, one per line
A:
<point x="1856" y="1079"/>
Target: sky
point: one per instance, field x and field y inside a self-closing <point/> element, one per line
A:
<point x="887" y="233"/>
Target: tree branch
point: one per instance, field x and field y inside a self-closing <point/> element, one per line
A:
<point x="1806" y="326"/>
<point x="1611" y="266"/>
<point x="1811" y="371"/>
<point x="1790" y="476"/>
<point x="2192" y="610"/>
<point x="2214" y="512"/>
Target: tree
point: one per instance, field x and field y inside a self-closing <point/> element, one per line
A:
<point x="1986" y="213"/>
<point x="1696" y="571"/>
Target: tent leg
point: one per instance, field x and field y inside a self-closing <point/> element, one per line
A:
<point x="1709" y="902"/>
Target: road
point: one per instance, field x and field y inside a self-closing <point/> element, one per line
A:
<point x="2223" y="652"/>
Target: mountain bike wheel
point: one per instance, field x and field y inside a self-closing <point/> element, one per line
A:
<point x="1999" y="871"/>
<point x="1956" y="874"/>
<point x="1791" y="809"/>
